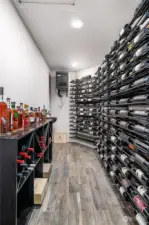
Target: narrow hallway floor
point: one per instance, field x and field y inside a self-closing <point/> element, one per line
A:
<point x="78" y="193"/>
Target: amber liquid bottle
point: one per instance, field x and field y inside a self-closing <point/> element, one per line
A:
<point x="39" y="115"/>
<point x="15" y="116"/>
<point x="3" y="113"/>
<point x="20" y="118"/>
<point x="9" y="116"/>
<point x="26" y="117"/>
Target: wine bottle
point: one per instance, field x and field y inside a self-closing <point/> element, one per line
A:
<point x="123" y="193"/>
<point x="140" y="174"/>
<point x="143" y="192"/>
<point x="140" y="219"/>
<point x="139" y="128"/>
<point x="126" y="172"/>
<point x="139" y="98"/>
<point x="141" y="205"/>
<point x="141" y="144"/>
<point x="113" y="176"/>
<point x="141" y="160"/>
<point x="139" y="113"/>
<point x="126" y="184"/>
<point x="126" y="160"/>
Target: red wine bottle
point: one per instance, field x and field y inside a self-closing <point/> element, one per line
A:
<point x="141" y="205"/>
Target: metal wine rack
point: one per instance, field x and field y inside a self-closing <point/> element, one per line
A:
<point x="123" y="93"/>
<point x="84" y="111"/>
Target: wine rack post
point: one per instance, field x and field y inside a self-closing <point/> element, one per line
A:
<point x="17" y="197"/>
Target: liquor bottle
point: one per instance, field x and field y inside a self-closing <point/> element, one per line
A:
<point x="9" y="116"/>
<point x="32" y="116"/>
<point x="20" y="117"/>
<point x="39" y="114"/>
<point x="44" y="113"/>
<point x="15" y="116"/>
<point x="3" y="113"/>
<point x="26" y="117"/>
<point x="48" y="115"/>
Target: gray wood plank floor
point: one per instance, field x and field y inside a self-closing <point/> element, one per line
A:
<point x="78" y="191"/>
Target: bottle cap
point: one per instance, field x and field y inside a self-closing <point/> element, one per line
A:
<point x="8" y="99"/>
<point x="1" y="90"/>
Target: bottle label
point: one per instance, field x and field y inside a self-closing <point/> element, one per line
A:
<point x="26" y="122"/>
<point x="112" y="174"/>
<point x="140" y="219"/>
<point x="142" y="190"/>
<point x="123" y="157"/>
<point x="139" y="203"/>
<point x="3" y="120"/>
<point x="138" y="52"/>
<point x="137" y="68"/>
<point x="125" y="170"/>
<point x="122" y="191"/>
<point x="131" y="146"/>
<point x="126" y="183"/>
<point x="113" y="138"/>
<point x="32" y="119"/>
<point x="101" y="156"/>
<point x="139" y="173"/>
<point x="112" y="156"/>
<point x="136" y="38"/>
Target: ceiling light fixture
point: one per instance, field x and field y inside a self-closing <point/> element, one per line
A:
<point x="77" y="24"/>
<point x="74" y="65"/>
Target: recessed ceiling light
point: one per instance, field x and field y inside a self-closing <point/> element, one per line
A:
<point x="74" y="65"/>
<point x="77" y="24"/>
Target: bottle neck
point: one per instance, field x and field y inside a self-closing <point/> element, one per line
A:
<point x="1" y="98"/>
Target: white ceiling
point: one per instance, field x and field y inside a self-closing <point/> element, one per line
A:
<point x="61" y="45"/>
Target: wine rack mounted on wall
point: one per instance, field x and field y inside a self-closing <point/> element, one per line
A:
<point x="84" y="111"/>
<point x="123" y="92"/>
<point x="22" y="159"/>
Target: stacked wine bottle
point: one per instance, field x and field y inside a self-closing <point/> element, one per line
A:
<point x="72" y="110"/>
<point x="85" y="112"/>
<point x="123" y="146"/>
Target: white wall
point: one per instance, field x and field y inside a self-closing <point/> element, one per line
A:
<point x="62" y="113"/>
<point x="23" y="71"/>
<point x="89" y="71"/>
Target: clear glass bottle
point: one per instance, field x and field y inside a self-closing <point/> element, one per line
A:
<point x="32" y="116"/>
<point x="44" y="113"/>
